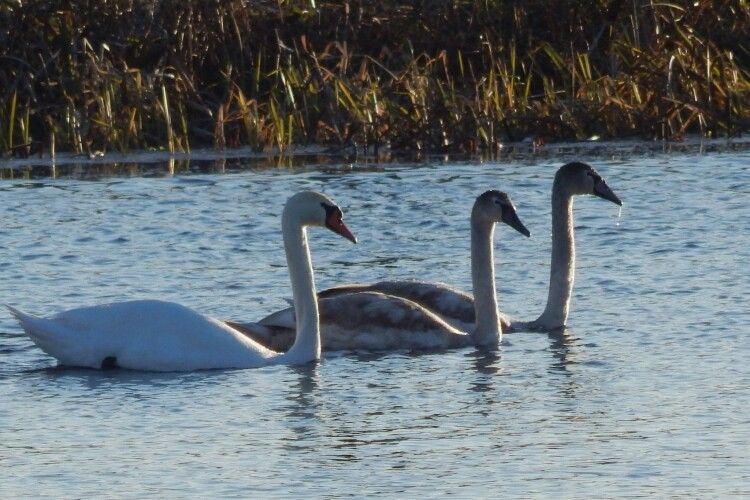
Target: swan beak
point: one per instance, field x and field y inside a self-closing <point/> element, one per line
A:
<point x="338" y="227"/>
<point x="510" y="217"/>
<point x="603" y="191"/>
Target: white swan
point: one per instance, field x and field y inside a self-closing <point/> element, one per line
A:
<point x="457" y="307"/>
<point x="361" y="319"/>
<point x="161" y="336"/>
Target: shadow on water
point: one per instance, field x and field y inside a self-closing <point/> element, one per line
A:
<point x="137" y="381"/>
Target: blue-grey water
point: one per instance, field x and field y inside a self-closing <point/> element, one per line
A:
<point x="648" y="393"/>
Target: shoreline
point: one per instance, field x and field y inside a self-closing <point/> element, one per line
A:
<point x="460" y="77"/>
<point x="524" y="149"/>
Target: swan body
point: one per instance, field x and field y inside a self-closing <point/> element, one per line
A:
<point x="453" y="305"/>
<point x="457" y="307"/>
<point x="163" y="336"/>
<point x="368" y="321"/>
<point x="358" y="318"/>
<point x="142" y="335"/>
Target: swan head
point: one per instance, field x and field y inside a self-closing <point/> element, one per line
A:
<point x="581" y="179"/>
<point x="496" y="206"/>
<point x="310" y="208"/>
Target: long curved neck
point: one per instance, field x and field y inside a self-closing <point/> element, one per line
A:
<point x="487" y="328"/>
<point x="306" y="345"/>
<point x="562" y="267"/>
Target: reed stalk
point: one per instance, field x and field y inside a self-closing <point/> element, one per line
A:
<point x="454" y="76"/>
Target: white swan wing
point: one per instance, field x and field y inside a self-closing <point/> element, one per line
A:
<point x="142" y="335"/>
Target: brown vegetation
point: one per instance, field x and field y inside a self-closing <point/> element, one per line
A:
<point x="436" y="75"/>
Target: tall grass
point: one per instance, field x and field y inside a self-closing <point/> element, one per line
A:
<point x="449" y="75"/>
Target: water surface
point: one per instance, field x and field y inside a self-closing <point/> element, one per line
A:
<point x="646" y="393"/>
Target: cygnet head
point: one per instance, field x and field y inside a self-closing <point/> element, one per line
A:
<point x="496" y="206"/>
<point x="580" y="178"/>
<point x="310" y="208"/>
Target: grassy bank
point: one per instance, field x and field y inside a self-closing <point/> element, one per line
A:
<point x="431" y="75"/>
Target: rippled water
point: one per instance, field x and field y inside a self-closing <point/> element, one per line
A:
<point x="648" y="393"/>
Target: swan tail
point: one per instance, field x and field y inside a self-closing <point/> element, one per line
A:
<point x="18" y="314"/>
<point x="46" y="334"/>
<point x="34" y="326"/>
<point x="28" y="322"/>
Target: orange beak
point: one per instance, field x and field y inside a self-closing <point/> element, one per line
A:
<point x="336" y="225"/>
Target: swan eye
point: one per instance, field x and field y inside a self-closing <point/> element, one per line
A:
<point x="501" y="203"/>
<point x="333" y="213"/>
<point x="597" y="178"/>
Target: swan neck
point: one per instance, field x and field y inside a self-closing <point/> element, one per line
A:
<point x="562" y="266"/>
<point x="487" y="329"/>
<point x="306" y="345"/>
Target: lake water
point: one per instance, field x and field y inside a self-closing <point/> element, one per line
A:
<point x="647" y="393"/>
